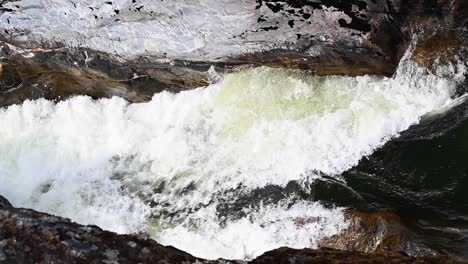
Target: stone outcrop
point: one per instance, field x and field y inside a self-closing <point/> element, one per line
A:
<point x="27" y="236"/>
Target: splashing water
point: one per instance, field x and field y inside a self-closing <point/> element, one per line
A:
<point x="164" y="166"/>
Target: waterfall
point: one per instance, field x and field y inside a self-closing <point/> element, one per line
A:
<point x="166" y="167"/>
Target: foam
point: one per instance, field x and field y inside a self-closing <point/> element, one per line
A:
<point x="266" y="228"/>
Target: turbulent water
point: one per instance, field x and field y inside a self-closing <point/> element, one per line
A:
<point x="192" y="169"/>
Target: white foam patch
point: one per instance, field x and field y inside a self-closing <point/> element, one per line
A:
<point x="102" y="162"/>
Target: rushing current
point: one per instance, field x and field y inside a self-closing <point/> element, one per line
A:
<point x="188" y="169"/>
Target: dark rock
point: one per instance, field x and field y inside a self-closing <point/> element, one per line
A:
<point x="335" y="62"/>
<point x="327" y="255"/>
<point x="4" y="203"/>
<point x="27" y="236"/>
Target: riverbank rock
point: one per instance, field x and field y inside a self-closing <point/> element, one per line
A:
<point x="134" y="49"/>
<point x="27" y="236"/>
<point x="51" y="74"/>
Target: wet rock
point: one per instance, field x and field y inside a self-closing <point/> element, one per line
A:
<point x="440" y="27"/>
<point x="54" y="76"/>
<point x="378" y="232"/>
<point x="27" y="236"/>
<point x="444" y="47"/>
<point x="10" y="80"/>
<point x="4" y="203"/>
<point x="327" y="255"/>
<point x="335" y="62"/>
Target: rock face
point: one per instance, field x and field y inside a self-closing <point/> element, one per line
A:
<point x="27" y="236"/>
<point x="133" y="49"/>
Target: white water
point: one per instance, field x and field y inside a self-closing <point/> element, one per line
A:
<point x="102" y="162"/>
